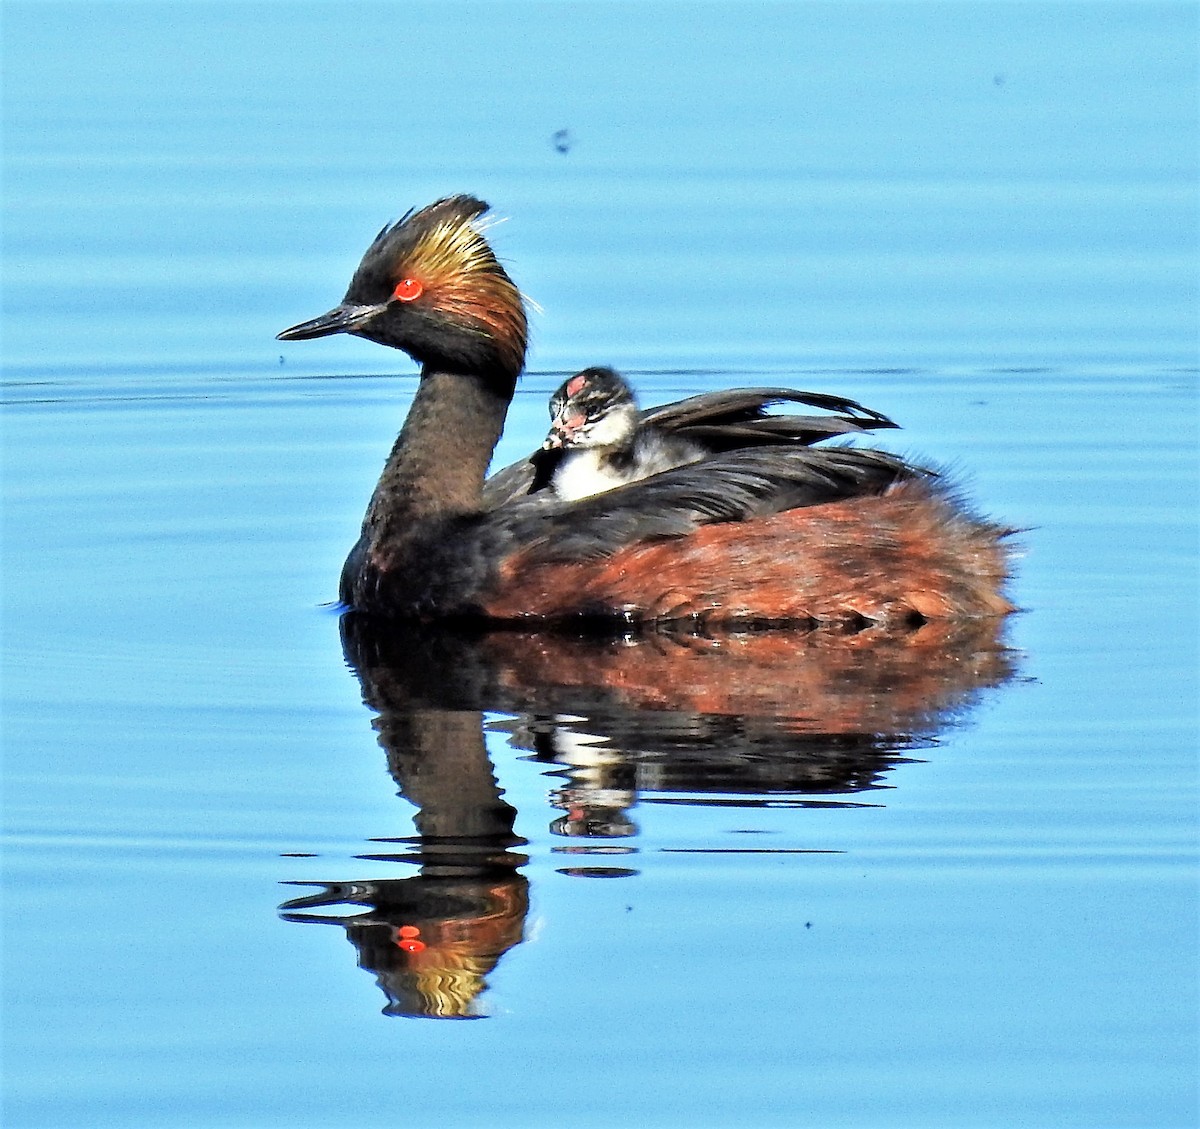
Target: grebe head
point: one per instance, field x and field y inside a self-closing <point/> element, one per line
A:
<point x="431" y="285"/>
<point x="595" y="408"/>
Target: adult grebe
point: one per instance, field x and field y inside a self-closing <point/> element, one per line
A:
<point x="777" y="533"/>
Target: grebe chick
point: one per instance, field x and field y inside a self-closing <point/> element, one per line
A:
<point x="602" y="444"/>
<point x="761" y="531"/>
<point x="599" y="440"/>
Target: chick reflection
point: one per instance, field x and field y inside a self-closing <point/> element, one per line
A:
<point x="782" y="718"/>
<point x="693" y="760"/>
<point x="786" y="719"/>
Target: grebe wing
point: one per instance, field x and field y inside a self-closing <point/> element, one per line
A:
<point x="742" y="405"/>
<point x="520" y="479"/>
<point x="725" y="488"/>
<point x="802" y="430"/>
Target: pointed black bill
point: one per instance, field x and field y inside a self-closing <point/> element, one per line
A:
<point x="342" y="319"/>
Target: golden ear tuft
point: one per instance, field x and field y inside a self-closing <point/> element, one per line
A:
<point x="464" y="281"/>
<point x="437" y="262"/>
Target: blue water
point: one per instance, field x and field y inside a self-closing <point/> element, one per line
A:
<point x="806" y="889"/>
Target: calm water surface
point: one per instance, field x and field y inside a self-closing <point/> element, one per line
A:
<point x="943" y="880"/>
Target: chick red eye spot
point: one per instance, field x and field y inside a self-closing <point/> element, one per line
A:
<point x="408" y="290"/>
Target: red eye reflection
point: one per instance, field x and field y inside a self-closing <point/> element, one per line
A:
<point x="406" y="938"/>
<point x="408" y="290"/>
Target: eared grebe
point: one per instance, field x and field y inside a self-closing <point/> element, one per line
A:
<point x="778" y="533"/>
<point x="599" y="440"/>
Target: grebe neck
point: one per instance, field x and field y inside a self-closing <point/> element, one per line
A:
<point x="440" y="459"/>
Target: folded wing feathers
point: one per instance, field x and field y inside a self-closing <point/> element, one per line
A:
<point x="769" y="429"/>
<point x="512" y="483"/>
<point x="738" y="405"/>
<point x="735" y="487"/>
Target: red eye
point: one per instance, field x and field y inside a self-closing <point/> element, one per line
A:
<point x="408" y="290"/>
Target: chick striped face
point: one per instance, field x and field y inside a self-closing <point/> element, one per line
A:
<point x="594" y="408"/>
<point x="446" y="295"/>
